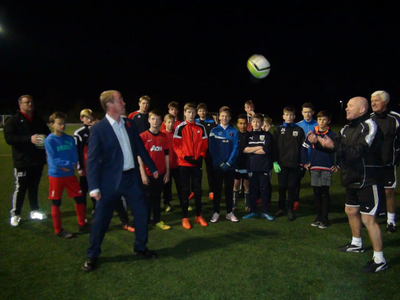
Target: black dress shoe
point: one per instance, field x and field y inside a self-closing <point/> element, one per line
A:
<point x="146" y="253"/>
<point x="90" y="264"/>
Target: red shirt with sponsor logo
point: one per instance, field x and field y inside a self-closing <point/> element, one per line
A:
<point x="173" y="158"/>
<point x="158" y="147"/>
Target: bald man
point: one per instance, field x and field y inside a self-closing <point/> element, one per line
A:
<point x="389" y="123"/>
<point x="358" y="146"/>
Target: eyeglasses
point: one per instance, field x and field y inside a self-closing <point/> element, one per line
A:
<point x="27" y="102"/>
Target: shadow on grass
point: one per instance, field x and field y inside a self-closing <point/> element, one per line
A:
<point x="197" y="245"/>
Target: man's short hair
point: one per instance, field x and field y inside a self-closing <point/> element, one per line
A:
<point x="289" y="109"/>
<point x="57" y="115"/>
<point x="382" y="94"/>
<point x="105" y="97"/>
<point x="308" y="105"/>
<point x="189" y="106"/>
<point x="156" y="112"/>
<point x="249" y="103"/>
<point x="202" y="106"/>
<point x="169" y="117"/>
<point x="242" y="116"/>
<point x="25" y="96"/>
<point x="86" y="113"/>
<point x="144" y="97"/>
<point x="257" y="116"/>
<point x="173" y="104"/>
<point x="324" y="114"/>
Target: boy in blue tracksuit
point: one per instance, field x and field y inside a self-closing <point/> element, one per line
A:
<point x="321" y="164"/>
<point x="224" y="149"/>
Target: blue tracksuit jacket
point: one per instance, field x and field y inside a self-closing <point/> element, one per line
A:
<point x="224" y="146"/>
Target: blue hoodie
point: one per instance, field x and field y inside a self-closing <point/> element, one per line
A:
<point x="61" y="153"/>
<point x="224" y="146"/>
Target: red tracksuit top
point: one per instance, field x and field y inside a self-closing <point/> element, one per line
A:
<point x="190" y="139"/>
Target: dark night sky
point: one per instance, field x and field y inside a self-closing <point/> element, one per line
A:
<point x="68" y="52"/>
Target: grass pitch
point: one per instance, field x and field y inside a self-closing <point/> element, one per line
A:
<point x="253" y="259"/>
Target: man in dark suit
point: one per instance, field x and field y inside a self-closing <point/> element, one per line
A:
<point x="113" y="172"/>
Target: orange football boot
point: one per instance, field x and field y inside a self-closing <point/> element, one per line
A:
<point x="185" y="223"/>
<point x="200" y="220"/>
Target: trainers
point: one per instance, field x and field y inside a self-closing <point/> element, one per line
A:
<point x="316" y="223"/>
<point x="211" y="196"/>
<point x="250" y="215"/>
<point x="65" y="234"/>
<point x="162" y="226"/>
<point x="84" y="228"/>
<point x="190" y="208"/>
<point x="280" y="213"/>
<point x="200" y="220"/>
<point x="373" y="267"/>
<point x="168" y="208"/>
<point x="214" y="218"/>
<point x="296" y="205"/>
<point x="231" y="217"/>
<point x="14" y="221"/>
<point x="267" y="216"/>
<point x="191" y="196"/>
<point x="351" y="248"/>
<point x="290" y="216"/>
<point x="186" y="223"/>
<point x="35" y="214"/>
<point x="391" y="228"/>
<point x="129" y="228"/>
<point x="323" y="225"/>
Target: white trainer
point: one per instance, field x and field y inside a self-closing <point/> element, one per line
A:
<point x="231" y="217"/>
<point x="14" y="221"/>
<point x="214" y="218"/>
<point x="35" y="214"/>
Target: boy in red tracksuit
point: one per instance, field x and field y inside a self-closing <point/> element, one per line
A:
<point x="169" y="121"/>
<point x="190" y="145"/>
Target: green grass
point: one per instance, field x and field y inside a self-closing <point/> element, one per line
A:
<point x="253" y="259"/>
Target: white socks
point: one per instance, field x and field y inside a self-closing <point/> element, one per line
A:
<point x="378" y="257"/>
<point x="391" y="218"/>
<point x="356" y="241"/>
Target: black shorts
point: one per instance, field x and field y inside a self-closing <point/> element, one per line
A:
<point x="390" y="177"/>
<point x="241" y="174"/>
<point x="366" y="199"/>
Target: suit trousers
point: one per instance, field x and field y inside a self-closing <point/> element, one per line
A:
<point x="132" y="189"/>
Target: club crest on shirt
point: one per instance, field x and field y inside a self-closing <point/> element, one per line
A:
<point x="295" y="133"/>
<point x="231" y="134"/>
<point x="250" y="174"/>
<point x="262" y="137"/>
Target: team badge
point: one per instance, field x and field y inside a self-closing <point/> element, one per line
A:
<point x="262" y="137"/>
<point x="295" y="133"/>
<point x="250" y="174"/>
<point x="230" y="134"/>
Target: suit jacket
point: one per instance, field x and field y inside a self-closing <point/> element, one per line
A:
<point x="105" y="159"/>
